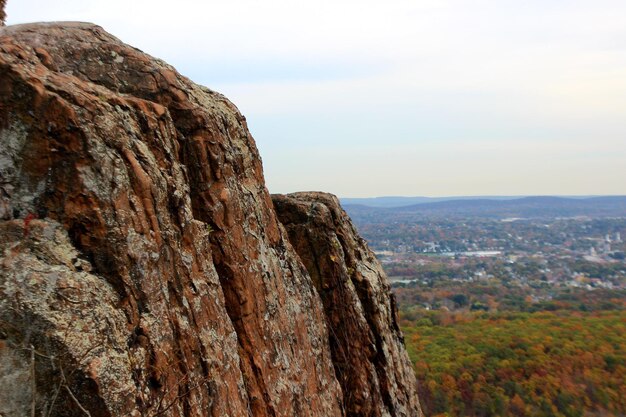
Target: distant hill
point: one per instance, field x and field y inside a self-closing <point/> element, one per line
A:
<point x="393" y="201"/>
<point x="499" y="207"/>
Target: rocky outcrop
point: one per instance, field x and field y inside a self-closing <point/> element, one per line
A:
<point x="370" y="361"/>
<point x="143" y="270"/>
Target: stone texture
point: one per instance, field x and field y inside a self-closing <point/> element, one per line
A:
<point x="143" y="270"/>
<point x="366" y="343"/>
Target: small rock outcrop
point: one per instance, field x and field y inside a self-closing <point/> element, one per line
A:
<point x="370" y="361"/>
<point x="143" y="269"/>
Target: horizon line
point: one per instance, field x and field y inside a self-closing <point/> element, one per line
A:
<point x="491" y="196"/>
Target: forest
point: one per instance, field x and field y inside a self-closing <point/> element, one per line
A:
<point x="512" y="363"/>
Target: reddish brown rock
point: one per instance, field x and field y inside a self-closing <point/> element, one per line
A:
<point x="143" y="271"/>
<point x="175" y="292"/>
<point x="370" y="361"/>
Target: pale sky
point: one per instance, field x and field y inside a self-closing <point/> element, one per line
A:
<point x="400" y="97"/>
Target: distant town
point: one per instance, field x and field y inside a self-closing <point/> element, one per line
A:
<point x="541" y="255"/>
<point x="571" y="252"/>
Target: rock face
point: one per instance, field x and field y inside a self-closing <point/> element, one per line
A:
<point x="370" y="361"/>
<point x="143" y="270"/>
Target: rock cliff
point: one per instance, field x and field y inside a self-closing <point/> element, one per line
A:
<point x="143" y="269"/>
<point x="370" y="361"/>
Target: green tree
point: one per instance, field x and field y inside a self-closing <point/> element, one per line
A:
<point x="3" y="15"/>
<point x="460" y="300"/>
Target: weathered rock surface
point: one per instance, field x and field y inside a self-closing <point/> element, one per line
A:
<point x="143" y="270"/>
<point x="370" y="361"/>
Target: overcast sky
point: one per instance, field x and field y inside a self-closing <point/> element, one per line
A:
<point x="401" y="97"/>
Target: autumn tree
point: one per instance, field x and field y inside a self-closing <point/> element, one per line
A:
<point x="519" y="364"/>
